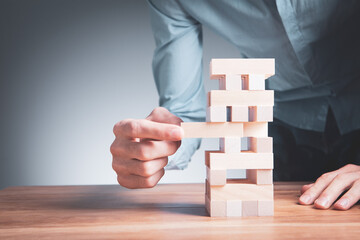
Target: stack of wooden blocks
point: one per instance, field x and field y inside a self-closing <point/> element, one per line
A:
<point x="238" y="114"/>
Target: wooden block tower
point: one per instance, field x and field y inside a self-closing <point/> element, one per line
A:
<point x="238" y="114"/>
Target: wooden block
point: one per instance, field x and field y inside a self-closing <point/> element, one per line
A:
<point x="261" y="145"/>
<point x="249" y="208"/>
<point x="241" y="98"/>
<point x="216" y="177"/>
<point x="217" y="160"/>
<point x="220" y="67"/>
<point x="266" y="208"/>
<point x="230" y="144"/>
<point x="261" y="113"/>
<point x="260" y="176"/>
<point x="207" y="188"/>
<point x="253" y="82"/>
<point x="216" y="114"/>
<point x="227" y="129"/>
<point x="233" y="208"/>
<point x="215" y="208"/>
<point x="207" y="204"/>
<point x="212" y="130"/>
<point x="241" y="189"/>
<point x="255" y="129"/>
<point x="230" y="82"/>
<point x="239" y="113"/>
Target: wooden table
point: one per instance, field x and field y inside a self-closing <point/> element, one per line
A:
<point x="173" y="211"/>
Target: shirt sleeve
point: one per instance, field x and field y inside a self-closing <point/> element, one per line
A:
<point x="177" y="69"/>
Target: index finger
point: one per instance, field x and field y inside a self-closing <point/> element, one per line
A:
<point x="142" y="128"/>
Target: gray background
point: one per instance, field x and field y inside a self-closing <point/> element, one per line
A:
<point x="69" y="70"/>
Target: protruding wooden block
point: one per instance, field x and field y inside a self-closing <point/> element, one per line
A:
<point x="234" y="208"/>
<point x="261" y="113"/>
<point x="240" y="189"/>
<point x="239" y="113"/>
<point x="215" y="208"/>
<point x="253" y="82"/>
<point x="260" y="176"/>
<point x="249" y="208"/>
<point x="261" y="144"/>
<point x="216" y="114"/>
<point x="230" y="82"/>
<point x="266" y="208"/>
<point x="241" y="98"/>
<point x="255" y="129"/>
<point x="242" y="160"/>
<point x="230" y="144"/>
<point x="216" y="177"/>
<point x="220" y="67"/>
<point x="212" y="130"/>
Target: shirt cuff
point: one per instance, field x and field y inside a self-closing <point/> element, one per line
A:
<point x="182" y="157"/>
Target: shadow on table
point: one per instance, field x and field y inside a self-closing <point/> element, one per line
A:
<point x="112" y="201"/>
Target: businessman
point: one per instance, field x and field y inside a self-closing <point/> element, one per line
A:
<point x="316" y="128"/>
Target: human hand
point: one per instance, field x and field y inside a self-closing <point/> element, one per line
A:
<point x="327" y="188"/>
<point x="142" y="146"/>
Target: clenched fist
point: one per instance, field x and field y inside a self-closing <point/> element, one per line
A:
<point x="142" y="146"/>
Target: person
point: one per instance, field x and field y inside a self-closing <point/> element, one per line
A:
<point x="317" y="91"/>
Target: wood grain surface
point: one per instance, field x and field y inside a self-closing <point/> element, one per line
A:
<point x="174" y="211"/>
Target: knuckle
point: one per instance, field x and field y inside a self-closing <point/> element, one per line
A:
<point x="357" y="183"/>
<point x="132" y="127"/>
<point x="113" y="149"/>
<point x="119" y="180"/>
<point x="116" y="128"/>
<point x="114" y="166"/>
<point x="158" y="110"/>
<point x="341" y="177"/>
<point x="124" y="184"/>
<point x="149" y="183"/>
<point x="146" y="170"/>
<point x="117" y="167"/>
<point x="144" y="154"/>
<point x="127" y="126"/>
<point x="326" y="177"/>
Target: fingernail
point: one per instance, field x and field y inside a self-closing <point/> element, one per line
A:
<point x="305" y="199"/>
<point x="176" y="133"/>
<point x="323" y="201"/>
<point x="343" y="202"/>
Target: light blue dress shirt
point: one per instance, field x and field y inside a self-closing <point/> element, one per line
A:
<point x="316" y="45"/>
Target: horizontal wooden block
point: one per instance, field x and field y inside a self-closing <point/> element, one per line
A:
<point x="260" y="176"/>
<point x="240" y="98"/>
<point x="227" y="129"/>
<point x="240" y="190"/>
<point x="234" y="208"/>
<point x="266" y="208"/>
<point x="216" y="114"/>
<point x="230" y="144"/>
<point x="220" y="67"/>
<point x="242" y="160"/>
<point x="215" y="208"/>
<point x="249" y="208"/>
<point x="216" y="177"/>
<point x="261" y="113"/>
<point x="212" y="130"/>
<point x="230" y="82"/>
<point x="255" y="129"/>
<point x="261" y="144"/>
<point x="239" y="113"/>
